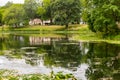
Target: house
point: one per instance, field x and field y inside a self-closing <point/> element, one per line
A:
<point x="47" y="22"/>
<point x="35" y="22"/>
<point x="38" y="22"/>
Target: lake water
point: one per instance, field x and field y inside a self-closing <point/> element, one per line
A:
<point x="35" y="54"/>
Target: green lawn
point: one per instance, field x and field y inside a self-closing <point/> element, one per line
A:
<point x="46" y="27"/>
<point x="86" y="35"/>
<point x="33" y="28"/>
<point x="42" y="29"/>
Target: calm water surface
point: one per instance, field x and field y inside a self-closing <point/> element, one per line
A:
<point x="86" y="60"/>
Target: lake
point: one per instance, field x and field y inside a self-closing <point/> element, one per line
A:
<point x="30" y="54"/>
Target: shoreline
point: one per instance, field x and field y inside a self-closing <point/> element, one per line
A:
<point x="82" y="33"/>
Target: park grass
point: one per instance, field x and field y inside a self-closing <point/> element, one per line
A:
<point x="6" y="28"/>
<point x="86" y="35"/>
<point x="39" y="27"/>
<point x="43" y="35"/>
<point x="43" y="28"/>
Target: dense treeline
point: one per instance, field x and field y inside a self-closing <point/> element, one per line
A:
<point x="101" y="16"/>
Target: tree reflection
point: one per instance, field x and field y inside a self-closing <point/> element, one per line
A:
<point x="64" y="54"/>
<point x="13" y="42"/>
<point x="104" y="61"/>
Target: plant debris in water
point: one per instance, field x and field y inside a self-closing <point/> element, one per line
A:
<point x="13" y="75"/>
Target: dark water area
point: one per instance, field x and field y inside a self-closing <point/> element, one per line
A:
<point x="85" y="60"/>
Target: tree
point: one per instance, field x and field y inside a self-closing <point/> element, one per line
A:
<point x="3" y="9"/>
<point x="44" y="11"/>
<point x="0" y="18"/>
<point x="30" y="7"/>
<point x="66" y="11"/>
<point x="41" y="12"/>
<point x="85" y="9"/>
<point x="103" y="16"/>
<point x="8" y="4"/>
<point x="14" y="16"/>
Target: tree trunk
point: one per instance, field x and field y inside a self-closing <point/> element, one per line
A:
<point x="2" y="28"/>
<point x="16" y="26"/>
<point x="66" y="26"/>
<point x="78" y="22"/>
<point x="51" y="21"/>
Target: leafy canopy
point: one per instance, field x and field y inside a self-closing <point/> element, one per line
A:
<point x="14" y="15"/>
<point x="66" y="11"/>
<point x="0" y="18"/>
<point x="30" y="7"/>
<point x="103" y="16"/>
<point x="44" y="11"/>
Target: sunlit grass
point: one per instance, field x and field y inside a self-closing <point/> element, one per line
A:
<point x="39" y="27"/>
<point x="3" y="35"/>
<point x="44" y="27"/>
<point x="86" y="35"/>
<point x="5" y="28"/>
<point x="43" y="35"/>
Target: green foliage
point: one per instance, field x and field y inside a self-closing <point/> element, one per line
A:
<point x="44" y="11"/>
<point x="30" y="7"/>
<point x="11" y="75"/>
<point x="14" y="15"/>
<point x="61" y="76"/>
<point x="66" y="11"/>
<point x="41" y="11"/>
<point x="3" y="9"/>
<point x="0" y="18"/>
<point x="8" y="4"/>
<point x="103" y="66"/>
<point x="103" y="16"/>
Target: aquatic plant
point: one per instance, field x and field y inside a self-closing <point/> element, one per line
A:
<point x="13" y="75"/>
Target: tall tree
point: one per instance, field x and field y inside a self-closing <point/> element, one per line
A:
<point x="45" y="11"/>
<point x="14" y="15"/>
<point x="3" y="9"/>
<point x="66" y="11"/>
<point x="8" y="4"/>
<point x="0" y="18"/>
<point x="103" y="16"/>
<point x="30" y="7"/>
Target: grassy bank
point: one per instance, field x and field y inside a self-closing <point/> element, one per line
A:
<point x="86" y="35"/>
<point x="41" y="29"/>
<point x="83" y="33"/>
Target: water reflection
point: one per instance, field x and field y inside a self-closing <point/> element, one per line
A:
<point x="65" y="54"/>
<point x="104" y="61"/>
<point x="87" y="61"/>
<point x="43" y="40"/>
